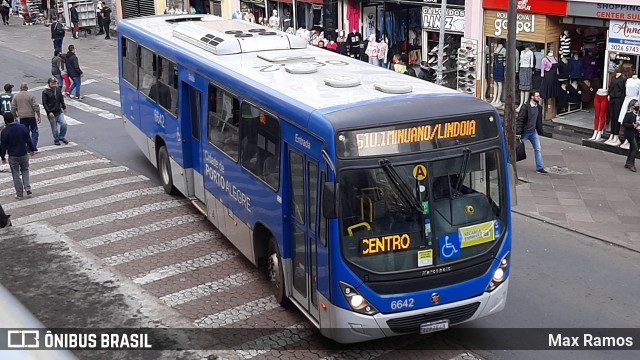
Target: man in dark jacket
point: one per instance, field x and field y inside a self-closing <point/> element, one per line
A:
<point x="57" y="34"/>
<point x="75" y="20"/>
<point x="73" y="70"/>
<point x="106" y="19"/>
<point x="529" y="126"/>
<point x="54" y="106"/>
<point x="17" y="142"/>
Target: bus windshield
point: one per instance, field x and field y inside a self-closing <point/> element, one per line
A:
<point x="396" y="217"/>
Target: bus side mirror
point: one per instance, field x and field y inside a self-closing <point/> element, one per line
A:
<point x="329" y="200"/>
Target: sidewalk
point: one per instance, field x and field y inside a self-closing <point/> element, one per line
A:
<point x="588" y="191"/>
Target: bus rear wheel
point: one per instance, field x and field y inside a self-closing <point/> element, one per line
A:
<point x="164" y="170"/>
<point x="276" y="275"/>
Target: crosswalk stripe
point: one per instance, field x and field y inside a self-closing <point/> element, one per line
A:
<point x="129" y="233"/>
<point x="117" y="91"/>
<point x="104" y="99"/>
<point x="288" y="336"/>
<point x="68" y="119"/>
<point x="238" y="313"/>
<point x="218" y="286"/>
<point x="185" y="266"/>
<point x="92" y="109"/>
<point x="42" y="87"/>
<point x="120" y="215"/>
<point x="68" y="178"/>
<point x="59" y="167"/>
<point x="74" y="192"/>
<point x="88" y="205"/>
<point x="157" y="249"/>
<point x="65" y="155"/>
<point x="56" y="147"/>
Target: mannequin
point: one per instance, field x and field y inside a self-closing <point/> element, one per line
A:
<point x="342" y="43"/>
<point x="549" y="74"/>
<point x="353" y="44"/>
<point x="383" y="50"/>
<point x="372" y="50"/>
<point x="249" y="16"/>
<point x="563" y="98"/>
<point x="525" y="74"/>
<point x="574" y="92"/>
<point x="538" y="55"/>
<point x="589" y="66"/>
<point x="632" y="92"/>
<point x="600" y="105"/>
<point x="563" y="69"/>
<point x="565" y="44"/>
<point x="575" y="67"/>
<point x="332" y="45"/>
<point x="499" y="60"/>
<point x="274" y="20"/>
<point x="616" y="99"/>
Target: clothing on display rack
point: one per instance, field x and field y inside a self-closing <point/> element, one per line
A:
<point x="549" y="73"/>
<point x="372" y="49"/>
<point x="353" y="44"/>
<point x="574" y="93"/>
<point x="632" y="91"/>
<point x="342" y="43"/>
<point x="587" y="91"/>
<point x="563" y="69"/>
<point x="565" y="44"/>
<point x="589" y="66"/>
<point x="562" y="100"/>
<point x="383" y="50"/>
<point x="576" y="41"/>
<point x="499" y="58"/>
<point x="575" y="67"/>
<point x="589" y="40"/>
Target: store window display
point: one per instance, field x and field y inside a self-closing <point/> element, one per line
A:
<point x="549" y="74"/>
<point x="616" y="99"/>
<point x="600" y="105"/>
<point x="353" y="44"/>
<point x="525" y="74"/>
<point x="575" y="67"/>
<point x="499" y="61"/>
<point x="565" y="44"/>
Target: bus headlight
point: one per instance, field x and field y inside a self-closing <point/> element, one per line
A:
<point x="357" y="302"/>
<point x="499" y="275"/>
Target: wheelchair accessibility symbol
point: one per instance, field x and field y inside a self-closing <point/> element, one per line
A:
<point x="449" y="246"/>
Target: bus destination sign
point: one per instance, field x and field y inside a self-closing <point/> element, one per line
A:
<point x="407" y="139"/>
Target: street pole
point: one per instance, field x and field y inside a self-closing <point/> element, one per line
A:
<point x="509" y="120"/>
<point x="443" y="15"/>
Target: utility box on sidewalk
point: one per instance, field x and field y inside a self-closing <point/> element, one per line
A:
<point x="86" y="14"/>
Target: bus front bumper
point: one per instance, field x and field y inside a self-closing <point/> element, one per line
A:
<point x="346" y="326"/>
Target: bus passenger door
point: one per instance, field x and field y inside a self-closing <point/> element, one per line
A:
<point x="192" y="120"/>
<point x="303" y="177"/>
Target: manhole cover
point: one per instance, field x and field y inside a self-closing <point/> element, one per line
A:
<point x="558" y="170"/>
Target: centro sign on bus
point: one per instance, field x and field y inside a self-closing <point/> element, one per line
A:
<point x="525" y="23"/>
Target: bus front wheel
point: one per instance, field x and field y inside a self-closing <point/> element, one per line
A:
<point x="276" y="275"/>
<point x="164" y="169"/>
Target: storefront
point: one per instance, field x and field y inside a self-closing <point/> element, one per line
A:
<point x="279" y="15"/>
<point x="254" y="7"/>
<point x="454" y="30"/>
<point x="538" y="28"/>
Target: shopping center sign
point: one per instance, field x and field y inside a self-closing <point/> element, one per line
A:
<point x="624" y="36"/>
<point x="547" y="7"/>
<point x="604" y="10"/>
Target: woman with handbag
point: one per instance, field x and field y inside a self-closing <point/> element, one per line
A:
<point x="631" y="122"/>
<point x="4" y="10"/>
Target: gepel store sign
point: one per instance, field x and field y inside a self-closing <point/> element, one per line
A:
<point x="547" y="7"/>
<point x="624" y="36"/>
<point x="453" y="21"/>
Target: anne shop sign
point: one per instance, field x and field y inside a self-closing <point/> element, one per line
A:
<point x="624" y="36"/>
<point x="453" y="21"/>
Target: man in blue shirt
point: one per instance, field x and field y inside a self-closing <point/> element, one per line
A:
<point x="16" y="141"/>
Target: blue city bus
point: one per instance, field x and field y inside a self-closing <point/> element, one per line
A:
<point x="378" y="203"/>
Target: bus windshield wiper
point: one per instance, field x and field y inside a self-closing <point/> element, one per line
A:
<point x="405" y="191"/>
<point x="464" y="167"/>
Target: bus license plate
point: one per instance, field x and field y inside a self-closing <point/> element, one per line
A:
<point x="434" y="326"/>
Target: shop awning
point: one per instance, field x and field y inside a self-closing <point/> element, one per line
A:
<point x="545" y="7"/>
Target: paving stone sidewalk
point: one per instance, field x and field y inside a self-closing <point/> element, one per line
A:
<point x="588" y="191"/>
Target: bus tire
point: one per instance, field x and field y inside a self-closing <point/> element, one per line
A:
<point x="164" y="170"/>
<point x="276" y="275"/>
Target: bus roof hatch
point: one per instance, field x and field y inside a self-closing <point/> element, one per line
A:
<point x="225" y="37"/>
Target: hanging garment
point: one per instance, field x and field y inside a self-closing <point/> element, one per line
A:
<point x="573" y="94"/>
<point x="587" y="92"/>
<point x="353" y="43"/>
<point x="525" y="77"/>
<point x="632" y="92"/>
<point x="565" y="45"/>
<point x="588" y="67"/>
<point x="499" y="58"/>
<point x="563" y="71"/>
<point x="576" y="42"/>
<point x="342" y="45"/>
<point x="562" y="101"/>
<point x="353" y="15"/>
<point x="575" y="69"/>
<point x="549" y="86"/>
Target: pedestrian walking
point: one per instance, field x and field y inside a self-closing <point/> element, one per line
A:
<point x="75" y="20"/>
<point x="17" y="143"/>
<point x="54" y="106"/>
<point x="25" y="107"/>
<point x="4" y="11"/>
<point x="106" y="19"/>
<point x="99" y="18"/>
<point x="5" y="98"/>
<point x="529" y="126"/>
<point x="74" y="72"/>
<point x="631" y="123"/>
<point x="63" y="74"/>
<point x="53" y="11"/>
<point x="56" y="62"/>
<point x="57" y="34"/>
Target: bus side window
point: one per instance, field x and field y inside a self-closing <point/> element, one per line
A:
<point x="322" y="228"/>
<point x="130" y="62"/>
<point x="260" y="144"/>
<point x="147" y="72"/>
<point x="223" y="114"/>
<point x="166" y="87"/>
